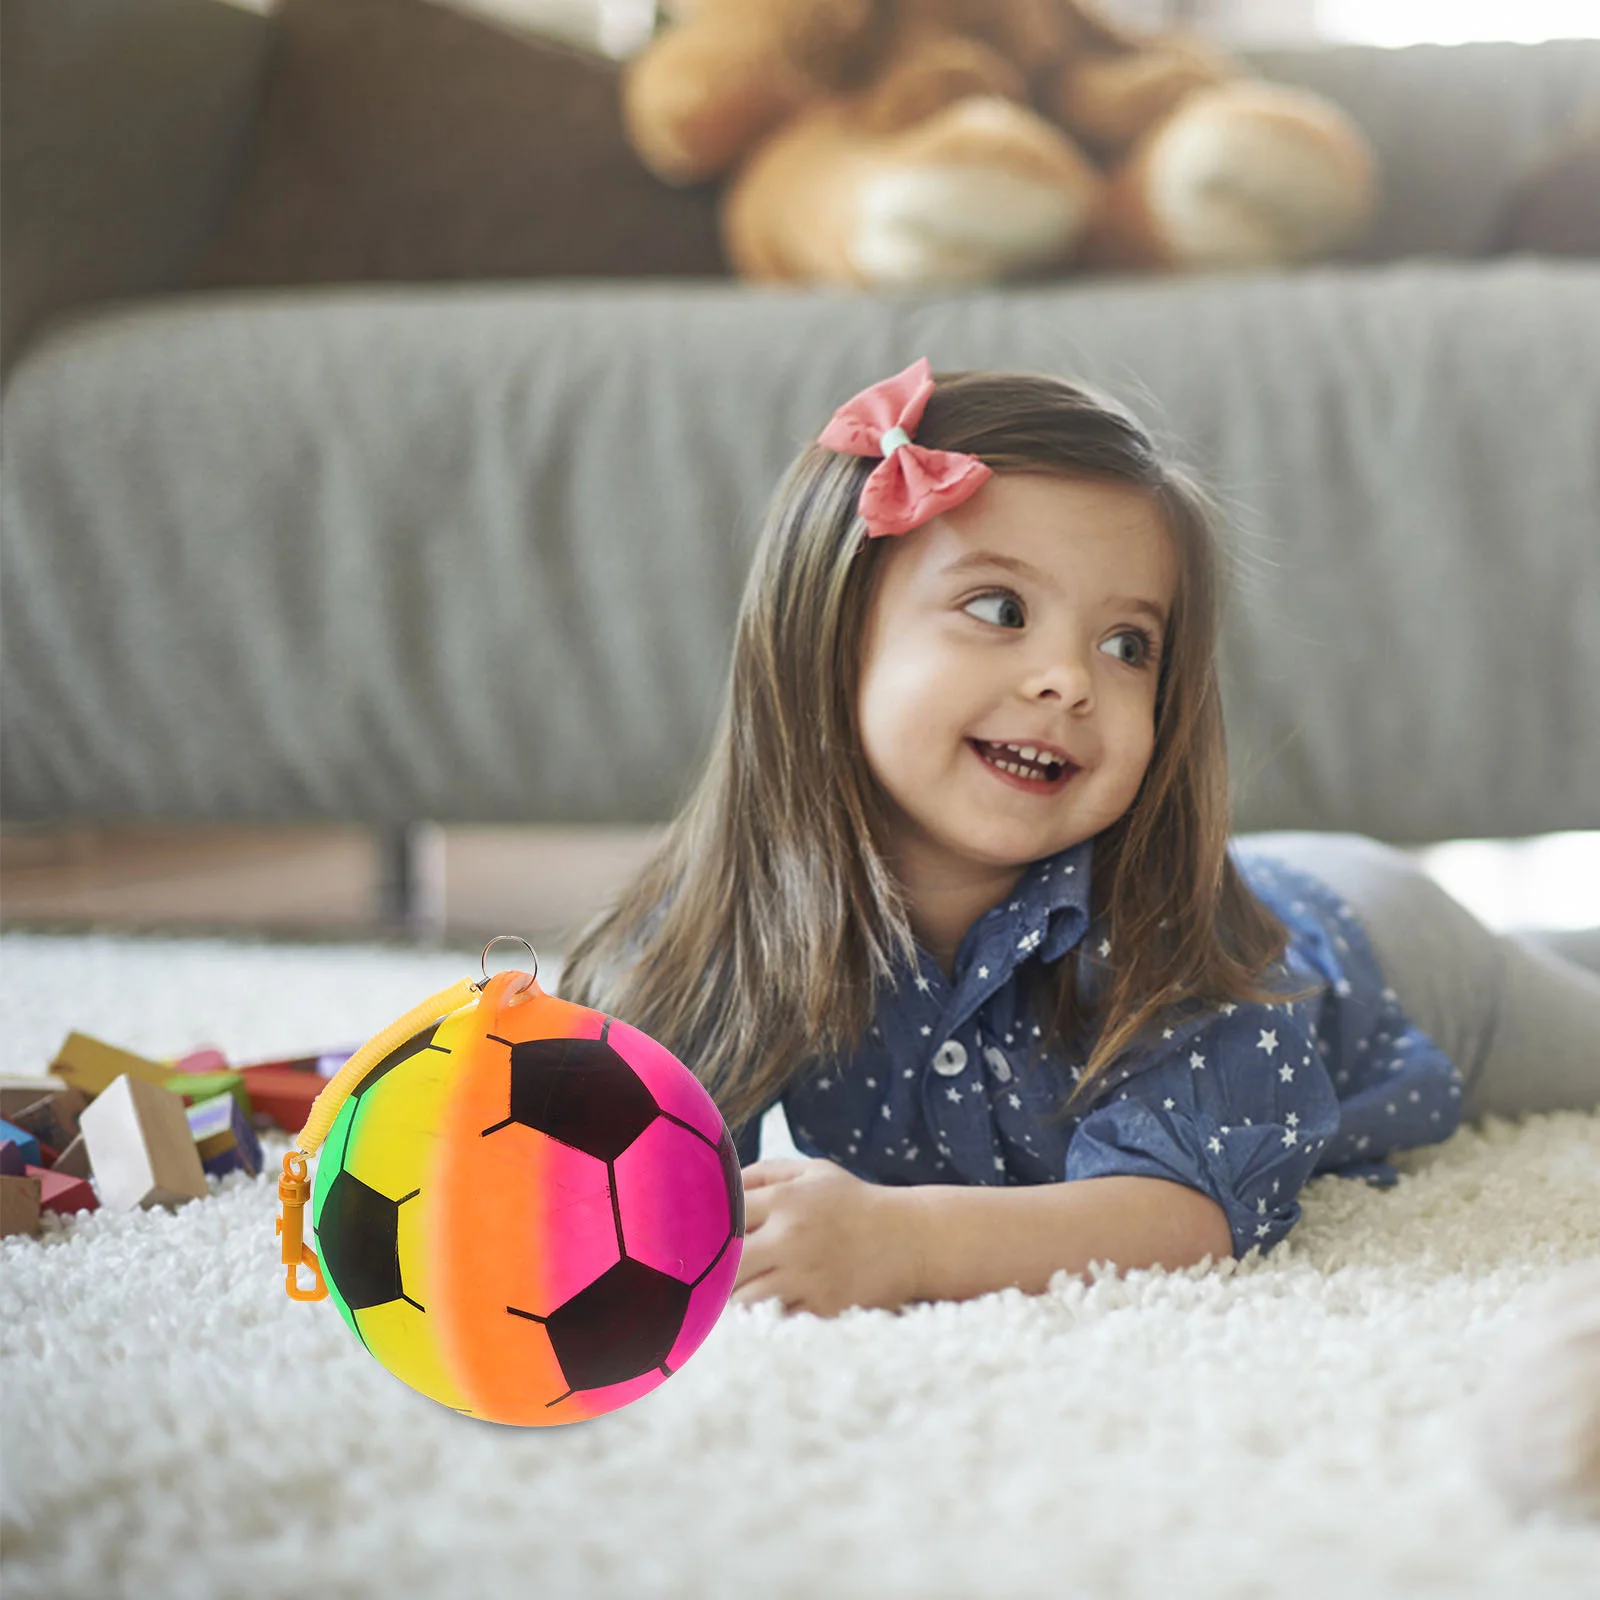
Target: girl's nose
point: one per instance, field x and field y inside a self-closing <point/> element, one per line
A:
<point x="1065" y="678"/>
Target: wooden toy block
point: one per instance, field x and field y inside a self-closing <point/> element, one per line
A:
<point x="19" y="1205"/>
<point x="206" y="1059"/>
<point x="193" y="1087"/>
<point x="74" y="1160"/>
<point x="93" y="1065"/>
<point x="13" y="1163"/>
<point x="53" y="1118"/>
<point x="17" y="1092"/>
<point x="62" y="1193"/>
<point x="224" y="1137"/>
<point x="283" y="1094"/>
<point x="27" y="1143"/>
<point x="140" y="1146"/>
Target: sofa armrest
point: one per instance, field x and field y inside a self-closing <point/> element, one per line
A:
<point x="124" y="125"/>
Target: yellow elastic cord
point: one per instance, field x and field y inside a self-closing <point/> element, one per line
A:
<point x="325" y="1108"/>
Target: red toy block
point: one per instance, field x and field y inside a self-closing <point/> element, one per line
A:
<point x="206" y="1059"/>
<point x="283" y="1093"/>
<point x="63" y="1194"/>
<point x="325" y="1065"/>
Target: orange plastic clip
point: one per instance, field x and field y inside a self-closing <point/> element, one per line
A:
<point x="294" y="1190"/>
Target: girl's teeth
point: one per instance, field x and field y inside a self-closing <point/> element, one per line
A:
<point x="1022" y="772"/>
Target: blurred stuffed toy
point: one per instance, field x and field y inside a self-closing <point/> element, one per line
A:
<point x="924" y="143"/>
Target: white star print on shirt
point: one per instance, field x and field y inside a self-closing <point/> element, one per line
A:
<point x="1331" y="1094"/>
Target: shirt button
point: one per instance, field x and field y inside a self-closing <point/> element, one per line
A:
<point x="950" y="1058"/>
<point x="998" y="1064"/>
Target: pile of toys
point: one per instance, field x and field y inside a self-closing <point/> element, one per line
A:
<point x="111" y="1128"/>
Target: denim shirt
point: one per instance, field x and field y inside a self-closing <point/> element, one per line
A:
<point x="1244" y="1102"/>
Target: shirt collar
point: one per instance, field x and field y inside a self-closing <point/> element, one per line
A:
<point x="1046" y="914"/>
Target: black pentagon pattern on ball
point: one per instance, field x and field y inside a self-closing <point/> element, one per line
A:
<point x="359" y="1234"/>
<point x="626" y="1322"/>
<point x="581" y="1092"/>
<point x="359" y="1229"/>
<point x="417" y="1043"/>
<point x="728" y="1155"/>
<point x="619" y="1327"/>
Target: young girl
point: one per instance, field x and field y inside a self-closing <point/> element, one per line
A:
<point x="956" y="888"/>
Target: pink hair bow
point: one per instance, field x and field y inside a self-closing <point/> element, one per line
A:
<point x="912" y="484"/>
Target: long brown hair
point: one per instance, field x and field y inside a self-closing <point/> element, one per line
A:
<point x="753" y="942"/>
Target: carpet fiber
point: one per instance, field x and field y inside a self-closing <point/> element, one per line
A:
<point x="1306" y="1423"/>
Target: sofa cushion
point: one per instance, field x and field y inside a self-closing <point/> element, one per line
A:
<point x="402" y="139"/>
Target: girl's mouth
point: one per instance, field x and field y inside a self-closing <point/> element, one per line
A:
<point x="1030" y="777"/>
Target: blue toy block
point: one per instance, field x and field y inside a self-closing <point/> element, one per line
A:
<point x="24" y="1141"/>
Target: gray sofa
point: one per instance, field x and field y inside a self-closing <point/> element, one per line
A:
<point x="472" y="552"/>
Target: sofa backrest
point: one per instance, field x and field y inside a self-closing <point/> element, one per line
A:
<point x="1454" y="128"/>
<point x="124" y="126"/>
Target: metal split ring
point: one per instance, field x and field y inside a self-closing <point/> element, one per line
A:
<point x="483" y="960"/>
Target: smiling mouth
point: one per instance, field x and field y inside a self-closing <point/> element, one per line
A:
<point x="1042" y="777"/>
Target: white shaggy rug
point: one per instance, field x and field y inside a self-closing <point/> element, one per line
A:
<point x="1303" y="1425"/>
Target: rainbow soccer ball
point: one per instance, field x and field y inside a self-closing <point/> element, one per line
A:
<point x="530" y="1211"/>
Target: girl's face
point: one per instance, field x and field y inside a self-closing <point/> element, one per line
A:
<point x="1061" y="652"/>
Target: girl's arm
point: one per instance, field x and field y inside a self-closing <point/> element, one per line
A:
<point x="972" y="1240"/>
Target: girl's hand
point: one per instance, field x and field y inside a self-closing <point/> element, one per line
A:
<point x="819" y="1239"/>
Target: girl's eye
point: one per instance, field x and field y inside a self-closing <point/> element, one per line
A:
<point x="1003" y="597"/>
<point x="1144" y="646"/>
